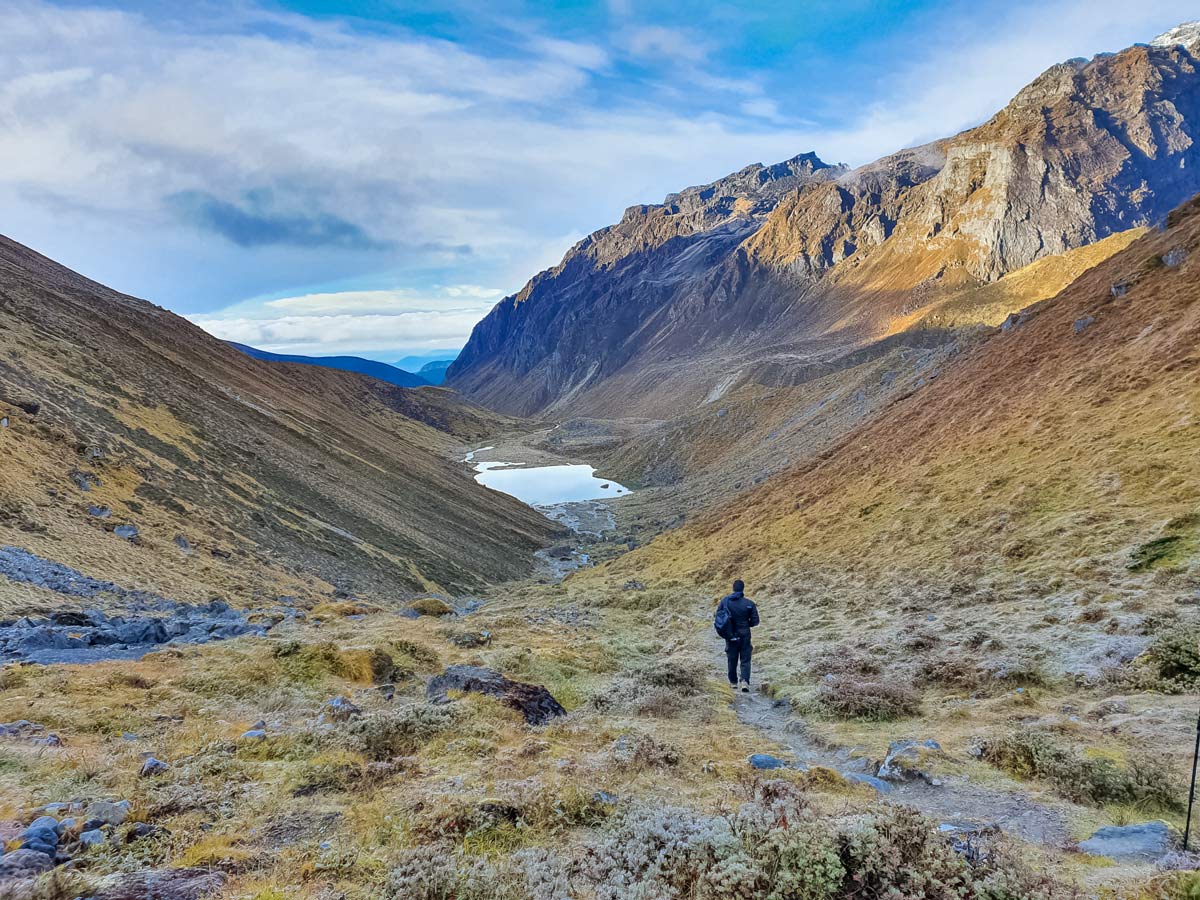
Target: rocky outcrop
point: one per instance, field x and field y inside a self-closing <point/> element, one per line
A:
<point x="533" y="701"/>
<point x="803" y="263"/>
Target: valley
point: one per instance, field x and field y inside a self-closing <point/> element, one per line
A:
<point x="271" y="630"/>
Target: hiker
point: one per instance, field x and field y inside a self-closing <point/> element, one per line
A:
<point x="736" y="615"/>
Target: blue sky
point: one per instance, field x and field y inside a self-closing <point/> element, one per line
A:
<point x="370" y="177"/>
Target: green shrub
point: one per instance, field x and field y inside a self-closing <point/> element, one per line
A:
<point x="1084" y="779"/>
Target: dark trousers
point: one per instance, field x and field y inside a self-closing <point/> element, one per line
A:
<point x="735" y="651"/>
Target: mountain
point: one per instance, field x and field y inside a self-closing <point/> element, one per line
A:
<point x="382" y="371"/>
<point x="243" y="478"/>
<point x="774" y="274"/>
<point x="435" y="372"/>
<point x="414" y="362"/>
<point x="1048" y="479"/>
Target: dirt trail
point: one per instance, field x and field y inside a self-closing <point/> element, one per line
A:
<point x="955" y="801"/>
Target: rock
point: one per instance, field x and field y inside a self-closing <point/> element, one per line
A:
<point x="470" y="639"/>
<point x="340" y="709"/>
<point x="24" y="864"/>
<point x="1174" y="257"/>
<point x="878" y="783"/>
<point x="1147" y="840"/>
<point x="108" y="812"/>
<point x="183" y="543"/>
<point x="129" y="532"/>
<point x="1013" y="320"/>
<point x="605" y="798"/>
<point x="43" y="822"/>
<point x="633" y="586"/>
<point x="164" y="884"/>
<point x="766" y="761"/>
<point x="152" y="767"/>
<point x="254" y="734"/>
<point x="533" y="701"/>
<point x="904" y="758"/>
<point x="100" y="512"/>
<point x="1081" y="325"/>
<point x="93" y="838"/>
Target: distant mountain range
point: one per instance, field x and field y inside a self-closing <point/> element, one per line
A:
<point x="380" y="370"/>
<point x="435" y="372"/>
<point x="417" y="361"/>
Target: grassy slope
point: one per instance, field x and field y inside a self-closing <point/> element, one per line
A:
<point x="306" y="477"/>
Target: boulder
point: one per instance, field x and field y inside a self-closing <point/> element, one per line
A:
<point x="533" y="701"/>
<point x="93" y="838"/>
<point x="153" y="767"/>
<point x="164" y="884"/>
<point x="766" y="761"/>
<point x="1146" y="841"/>
<point x="905" y="758"/>
<point x="340" y="709"/>
<point x="24" y="864"/>
<point x="870" y="780"/>
<point x="108" y="812"/>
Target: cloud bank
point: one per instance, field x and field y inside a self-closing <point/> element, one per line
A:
<point x="204" y="155"/>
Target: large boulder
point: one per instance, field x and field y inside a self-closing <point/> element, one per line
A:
<point x="24" y="864"/>
<point x="1146" y="840"/>
<point x="907" y="760"/>
<point x="533" y="701"/>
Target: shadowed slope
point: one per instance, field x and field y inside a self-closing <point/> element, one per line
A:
<point x="243" y="477"/>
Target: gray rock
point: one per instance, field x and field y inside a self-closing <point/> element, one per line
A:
<point x="153" y="767"/>
<point x="878" y="783"/>
<point x="340" y="709"/>
<point x="93" y="838"/>
<point x="1146" y="840"/>
<point x="1174" y="257"/>
<point x="24" y="864"/>
<point x="903" y="758"/>
<point x="129" y="532"/>
<point x="100" y="512"/>
<point x="108" y="812"/>
<point x="1082" y="324"/>
<point x="766" y="761"/>
<point x="254" y="734"/>
<point x="43" y="822"/>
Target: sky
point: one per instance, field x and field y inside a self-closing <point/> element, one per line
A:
<point x="371" y="176"/>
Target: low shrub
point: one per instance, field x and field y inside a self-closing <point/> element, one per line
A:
<point x="641" y="751"/>
<point x="848" y="697"/>
<point x="310" y="663"/>
<point x="431" y="606"/>
<point x="664" y="689"/>
<point x="384" y="735"/>
<point x="1174" y="658"/>
<point x="1098" y="780"/>
<point x="431" y="874"/>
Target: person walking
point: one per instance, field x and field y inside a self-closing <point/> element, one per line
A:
<point x="736" y="615"/>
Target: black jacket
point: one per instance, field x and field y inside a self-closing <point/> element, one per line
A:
<point x="743" y="612"/>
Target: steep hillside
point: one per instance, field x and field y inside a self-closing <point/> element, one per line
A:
<point x="243" y="479"/>
<point x="382" y="371"/>
<point x="840" y="260"/>
<point x="1056" y="466"/>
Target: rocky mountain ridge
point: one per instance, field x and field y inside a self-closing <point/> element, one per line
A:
<point x="745" y="274"/>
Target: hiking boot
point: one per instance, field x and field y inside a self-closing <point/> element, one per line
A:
<point x="745" y="687"/>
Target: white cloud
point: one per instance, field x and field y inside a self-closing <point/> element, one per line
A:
<point x="433" y="163"/>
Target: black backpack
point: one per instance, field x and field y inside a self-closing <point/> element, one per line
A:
<point x="723" y="623"/>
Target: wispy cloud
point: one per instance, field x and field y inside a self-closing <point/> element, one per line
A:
<point x="201" y="159"/>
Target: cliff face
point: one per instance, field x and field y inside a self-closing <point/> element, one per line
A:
<point x="243" y="478"/>
<point x="799" y="262"/>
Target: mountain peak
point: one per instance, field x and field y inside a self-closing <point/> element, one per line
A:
<point x="1186" y="34"/>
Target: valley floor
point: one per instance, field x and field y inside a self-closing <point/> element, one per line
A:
<point x="308" y="761"/>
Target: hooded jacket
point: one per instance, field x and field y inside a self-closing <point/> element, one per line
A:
<point x="743" y="612"/>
